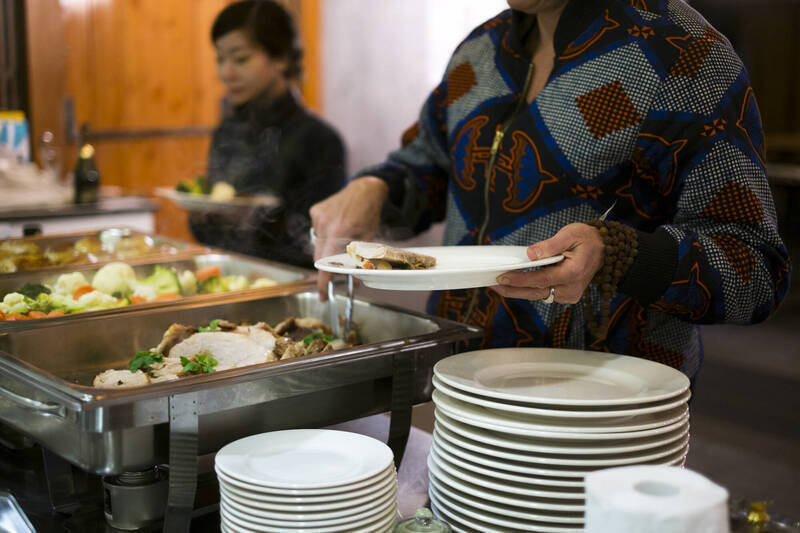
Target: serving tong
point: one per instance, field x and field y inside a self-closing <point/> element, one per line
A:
<point x="341" y="331"/>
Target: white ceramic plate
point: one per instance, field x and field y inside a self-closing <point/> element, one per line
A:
<point x="444" y="454"/>
<point x="254" y="500"/>
<point x="535" y="498"/>
<point x="458" y="455"/>
<point x="457" y="267"/>
<point x="559" y="425"/>
<point x="553" y="376"/>
<point x="305" y="496"/>
<point x="316" y="519"/>
<point x="377" y="517"/>
<point x="201" y="202"/>
<point x="552" y="471"/>
<point x="304" y="459"/>
<point x="477" y="521"/>
<point x="519" y="448"/>
<point x="516" y="407"/>
<point x="484" y="493"/>
<point x="522" y="512"/>
<point x="384" y="524"/>
<point x="564" y="435"/>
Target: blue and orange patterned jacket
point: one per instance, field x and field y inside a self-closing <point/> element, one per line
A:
<point x="647" y="106"/>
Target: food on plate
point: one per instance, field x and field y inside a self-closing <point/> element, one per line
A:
<point x="373" y="255"/>
<point x="19" y="254"/>
<point x="220" y="192"/>
<point x="222" y="345"/>
<point x="198" y="185"/>
<point x="116" y="285"/>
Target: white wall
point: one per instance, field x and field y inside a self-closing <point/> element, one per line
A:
<point x="381" y="59"/>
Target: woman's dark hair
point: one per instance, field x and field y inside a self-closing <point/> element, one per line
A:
<point x="268" y="25"/>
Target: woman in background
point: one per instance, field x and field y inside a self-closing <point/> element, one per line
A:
<point x="270" y="144"/>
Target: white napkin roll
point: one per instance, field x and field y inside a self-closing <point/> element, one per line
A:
<point x="654" y="499"/>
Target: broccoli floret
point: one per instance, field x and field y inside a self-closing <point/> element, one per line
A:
<point x="162" y="281"/>
<point x="33" y="290"/>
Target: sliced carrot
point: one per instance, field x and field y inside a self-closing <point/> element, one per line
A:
<point x="80" y="291"/>
<point x="16" y="316"/>
<point x="203" y="274"/>
<point x="137" y="300"/>
<point x="2" y="316"/>
<point x="36" y="314"/>
<point x="55" y="313"/>
<point x="166" y="297"/>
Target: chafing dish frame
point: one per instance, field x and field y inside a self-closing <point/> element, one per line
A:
<point x="111" y="431"/>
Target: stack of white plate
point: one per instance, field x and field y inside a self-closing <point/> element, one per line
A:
<point x="310" y="480"/>
<point x="517" y="430"/>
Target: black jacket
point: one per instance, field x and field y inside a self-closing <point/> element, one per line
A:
<point x="272" y="147"/>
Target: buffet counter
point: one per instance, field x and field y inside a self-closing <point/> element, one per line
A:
<point x="135" y="212"/>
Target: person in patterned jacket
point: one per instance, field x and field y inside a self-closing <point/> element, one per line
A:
<point x="548" y="115"/>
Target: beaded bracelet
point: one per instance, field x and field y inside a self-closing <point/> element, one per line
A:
<point x="621" y="246"/>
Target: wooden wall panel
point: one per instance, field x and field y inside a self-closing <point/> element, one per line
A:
<point x="47" y="60"/>
<point x="140" y="65"/>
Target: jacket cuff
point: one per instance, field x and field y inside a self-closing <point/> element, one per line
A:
<point x="653" y="270"/>
<point x="395" y="178"/>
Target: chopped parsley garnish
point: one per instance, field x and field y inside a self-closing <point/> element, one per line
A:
<point x="311" y="337"/>
<point x="143" y="360"/>
<point x="199" y="364"/>
<point x="212" y="326"/>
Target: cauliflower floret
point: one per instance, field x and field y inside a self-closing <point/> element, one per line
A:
<point x="236" y="283"/>
<point x="69" y="283"/>
<point x="14" y="302"/>
<point x="114" y="278"/>
<point x="222" y="192"/>
<point x="188" y="283"/>
<point x="97" y="300"/>
<point x="263" y="282"/>
<point x="144" y="290"/>
<point x="64" y="302"/>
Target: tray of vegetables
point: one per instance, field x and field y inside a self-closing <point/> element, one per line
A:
<point x="118" y="286"/>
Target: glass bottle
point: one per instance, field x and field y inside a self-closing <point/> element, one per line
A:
<point x="87" y="177"/>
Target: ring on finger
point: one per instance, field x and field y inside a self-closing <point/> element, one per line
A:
<point x="551" y="297"/>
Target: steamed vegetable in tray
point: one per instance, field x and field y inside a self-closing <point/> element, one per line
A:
<point x="17" y="255"/>
<point x="116" y="285"/>
<point x="222" y="345"/>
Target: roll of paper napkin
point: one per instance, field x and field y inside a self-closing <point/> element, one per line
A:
<point x="654" y="499"/>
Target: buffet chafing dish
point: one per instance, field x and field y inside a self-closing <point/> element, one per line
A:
<point x="230" y="264"/>
<point x="158" y="246"/>
<point x="45" y="375"/>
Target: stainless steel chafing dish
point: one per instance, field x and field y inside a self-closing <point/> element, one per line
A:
<point x="109" y="239"/>
<point x="229" y="263"/>
<point x="46" y="372"/>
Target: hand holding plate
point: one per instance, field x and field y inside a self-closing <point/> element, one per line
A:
<point x="582" y="248"/>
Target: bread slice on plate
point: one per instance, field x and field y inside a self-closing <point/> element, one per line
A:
<point x="376" y="256"/>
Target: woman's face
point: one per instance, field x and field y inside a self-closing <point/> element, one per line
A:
<point x="246" y="69"/>
<point x="533" y="7"/>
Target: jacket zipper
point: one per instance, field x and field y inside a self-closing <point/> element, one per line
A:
<point x="496" y="142"/>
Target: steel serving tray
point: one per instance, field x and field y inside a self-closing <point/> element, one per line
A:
<point x="160" y="246"/>
<point x="230" y="264"/>
<point x="45" y="375"/>
<point x="12" y="518"/>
